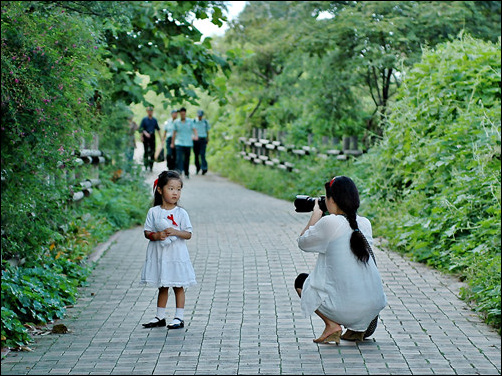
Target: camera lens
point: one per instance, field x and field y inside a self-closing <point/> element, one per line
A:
<point x="304" y="204"/>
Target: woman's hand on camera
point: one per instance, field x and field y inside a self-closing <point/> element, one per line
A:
<point x="316" y="213"/>
<point x="315" y="217"/>
<point x="317" y="208"/>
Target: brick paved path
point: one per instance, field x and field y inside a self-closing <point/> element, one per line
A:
<point x="244" y="316"/>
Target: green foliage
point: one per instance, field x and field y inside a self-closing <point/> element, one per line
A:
<point x="37" y="294"/>
<point x="38" y="290"/>
<point x="160" y="42"/>
<point x="122" y="203"/>
<point x="44" y="114"/>
<point x="14" y="334"/>
<point x="441" y="171"/>
<point x="276" y="84"/>
<point x="376" y="38"/>
<point x="332" y="76"/>
<point x="30" y="297"/>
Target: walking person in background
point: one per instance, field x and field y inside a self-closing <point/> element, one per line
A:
<point x="147" y="128"/>
<point x="184" y="135"/>
<point x="345" y="287"/>
<point x="168" y="136"/>
<point x="199" y="146"/>
<point x="167" y="263"/>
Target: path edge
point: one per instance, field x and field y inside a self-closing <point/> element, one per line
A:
<point x="101" y="248"/>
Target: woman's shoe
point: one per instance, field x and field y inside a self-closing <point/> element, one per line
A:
<point x="154" y="324"/>
<point x="333" y="337"/>
<point x="350" y="335"/>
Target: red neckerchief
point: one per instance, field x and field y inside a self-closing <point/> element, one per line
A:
<point x="171" y="217"/>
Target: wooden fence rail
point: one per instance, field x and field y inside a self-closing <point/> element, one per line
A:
<point x="274" y="153"/>
<point x="83" y="186"/>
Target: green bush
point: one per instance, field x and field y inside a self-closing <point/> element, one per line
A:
<point x="436" y="174"/>
<point x="45" y="114"/>
<point x="14" y="333"/>
<point x="38" y="290"/>
<point x="122" y="203"/>
<point x="37" y="294"/>
<point x="51" y="65"/>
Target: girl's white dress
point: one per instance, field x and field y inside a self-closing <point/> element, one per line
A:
<point x="340" y="286"/>
<point x="167" y="262"/>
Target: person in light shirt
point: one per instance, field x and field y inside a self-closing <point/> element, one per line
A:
<point x="184" y="135"/>
<point x="168" y="136"/>
<point x="345" y="287"/>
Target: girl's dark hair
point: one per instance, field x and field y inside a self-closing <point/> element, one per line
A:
<point x="163" y="179"/>
<point x="344" y="192"/>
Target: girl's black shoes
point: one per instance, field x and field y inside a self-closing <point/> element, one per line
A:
<point x="155" y="324"/>
<point x="176" y="324"/>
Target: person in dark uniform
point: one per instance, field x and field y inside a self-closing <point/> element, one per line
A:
<point x="147" y="128"/>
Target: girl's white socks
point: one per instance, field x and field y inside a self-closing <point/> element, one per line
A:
<point x="161" y="313"/>
<point x="179" y="313"/>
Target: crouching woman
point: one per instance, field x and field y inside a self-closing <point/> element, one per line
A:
<point x="345" y="288"/>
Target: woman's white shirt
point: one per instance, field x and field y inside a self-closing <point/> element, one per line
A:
<point x="343" y="288"/>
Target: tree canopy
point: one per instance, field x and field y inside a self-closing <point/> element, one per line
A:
<point x="352" y="58"/>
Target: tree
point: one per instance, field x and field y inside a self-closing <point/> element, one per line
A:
<point x="377" y="38"/>
<point x="151" y="38"/>
<point x="160" y="42"/>
<point x="278" y="84"/>
<point x="265" y="33"/>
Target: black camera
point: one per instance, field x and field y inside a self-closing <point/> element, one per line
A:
<point x="304" y="203"/>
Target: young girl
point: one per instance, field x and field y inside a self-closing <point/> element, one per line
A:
<point x="167" y="263"/>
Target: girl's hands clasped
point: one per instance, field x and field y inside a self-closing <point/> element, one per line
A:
<point x="161" y="235"/>
<point x="171" y="232"/>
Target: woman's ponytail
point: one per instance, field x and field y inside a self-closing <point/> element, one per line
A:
<point x="344" y="192"/>
<point x="358" y="243"/>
